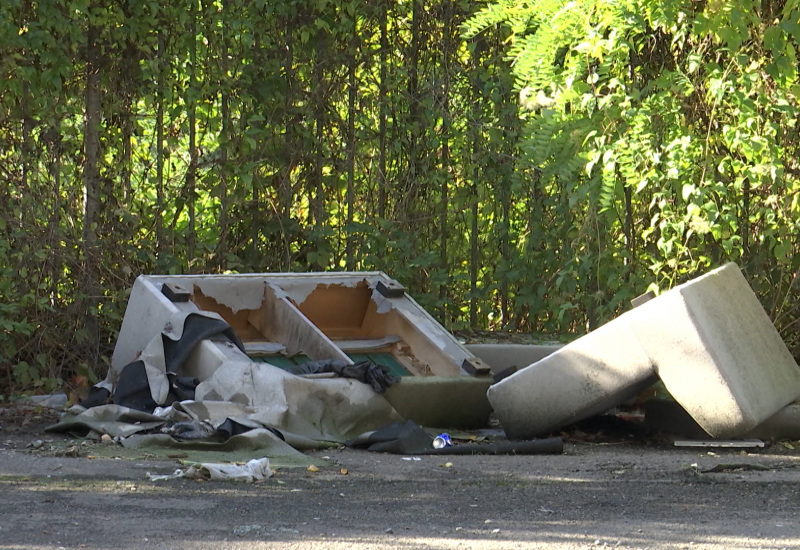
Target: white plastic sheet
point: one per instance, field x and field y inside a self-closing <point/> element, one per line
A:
<point x="256" y="470"/>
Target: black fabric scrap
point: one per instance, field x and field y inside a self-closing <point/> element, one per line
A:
<point x="196" y="328"/>
<point x="98" y="395"/>
<point x="398" y="438"/>
<point x="198" y="429"/>
<point x="231" y="427"/>
<point x="181" y="388"/>
<point x="377" y="376"/>
<point x="190" y="429"/>
<point x="549" y="446"/>
<point x="133" y="389"/>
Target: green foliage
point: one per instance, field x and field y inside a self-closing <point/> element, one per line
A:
<point x="683" y="117"/>
<point x="533" y="173"/>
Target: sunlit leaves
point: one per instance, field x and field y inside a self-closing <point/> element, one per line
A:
<point x="686" y="115"/>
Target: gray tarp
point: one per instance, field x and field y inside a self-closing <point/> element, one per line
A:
<point x="309" y="412"/>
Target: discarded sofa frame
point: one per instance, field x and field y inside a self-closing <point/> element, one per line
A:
<point x="709" y="341"/>
<point x="284" y="319"/>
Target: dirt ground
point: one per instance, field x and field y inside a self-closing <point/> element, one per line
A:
<point x="606" y="493"/>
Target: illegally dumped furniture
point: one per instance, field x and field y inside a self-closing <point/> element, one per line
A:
<point x="717" y="352"/>
<point x="507" y="357"/>
<point x="583" y="379"/>
<point x="709" y="341"/>
<point x="277" y="323"/>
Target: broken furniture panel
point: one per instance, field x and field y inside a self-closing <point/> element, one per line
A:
<point x="277" y="319"/>
<point x="582" y="379"/>
<point x="709" y="340"/>
<point x="442" y="401"/>
<point x="286" y="319"/>
<point x="717" y="352"/>
<point x="359" y="319"/>
<point x="511" y="357"/>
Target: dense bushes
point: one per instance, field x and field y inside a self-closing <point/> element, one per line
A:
<point x="518" y="166"/>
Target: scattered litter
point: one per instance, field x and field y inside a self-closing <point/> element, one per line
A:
<point x="728" y="444"/>
<point x="691" y="468"/>
<point x="737" y="467"/>
<point x="312" y="468"/>
<point x="442" y="440"/>
<point x="190" y="429"/>
<point x="245" y="529"/>
<point x="55" y="401"/>
<point x="255" y="470"/>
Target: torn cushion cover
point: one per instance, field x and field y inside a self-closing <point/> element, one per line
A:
<point x="133" y="388"/>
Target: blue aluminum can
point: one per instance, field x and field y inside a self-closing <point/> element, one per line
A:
<point x="441" y="441"/>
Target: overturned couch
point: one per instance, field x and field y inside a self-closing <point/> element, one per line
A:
<point x="709" y="341"/>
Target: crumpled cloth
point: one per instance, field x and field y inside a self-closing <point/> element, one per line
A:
<point x="275" y="399"/>
<point x="368" y="372"/>
<point x="153" y="379"/>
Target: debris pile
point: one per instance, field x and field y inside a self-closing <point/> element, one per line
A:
<point x="709" y="341"/>
<point x="273" y="365"/>
<point x="278" y="363"/>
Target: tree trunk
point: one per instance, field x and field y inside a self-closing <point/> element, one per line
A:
<point x="630" y="235"/>
<point x="27" y="121"/>
<point x="351" y="149"/>
<point x="191" y="173"/>
<point x="383" y="115"/>
<point x="224" y="172"/>
<point x="127" y="151"/>
<point x="474" y="239"/>
<point x="159" y="221"/>
<point x="54" y="168"/>
<point x="91" y="190"/>
<point x="319" y="216"/>
<point x="449" y="46"/>
<point x="283" y="180"/>
<point x="285" y="189"/>
<point x="415" y="122"/>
